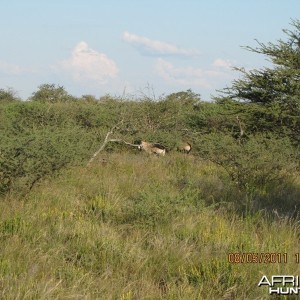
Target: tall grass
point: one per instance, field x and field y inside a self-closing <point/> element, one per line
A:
<point x="138" y="227"/>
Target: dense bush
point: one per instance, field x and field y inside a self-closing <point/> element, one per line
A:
<point x="26" y="159"/>
<point x="39" y="137"/>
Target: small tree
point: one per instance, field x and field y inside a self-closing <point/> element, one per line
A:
<point x="8" y="95"/>
<point x="51" y="93"/>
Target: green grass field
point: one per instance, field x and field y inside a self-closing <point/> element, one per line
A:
<point x="138" y="227"/>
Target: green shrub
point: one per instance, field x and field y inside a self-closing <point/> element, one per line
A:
<point x="256" y="165"/>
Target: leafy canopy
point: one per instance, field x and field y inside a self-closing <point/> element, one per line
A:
<point x="269" y="98"/>
<point x="279" y="84"/>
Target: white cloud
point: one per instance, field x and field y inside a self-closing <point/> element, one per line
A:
<point x="155" y="47"/>
<point x="222" y="63"/>
<point x="13" y="69"/>
<point x="191" y="76"/>
<point x="187" y="76"/>
<point x="86" y="64"/>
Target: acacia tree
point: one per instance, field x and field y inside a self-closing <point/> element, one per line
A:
<point x="274" y="92"/>
<point x="51" y="93"/>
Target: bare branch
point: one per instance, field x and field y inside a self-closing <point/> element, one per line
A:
<point x="106" y="140"/>
<point x="133" y="145"/>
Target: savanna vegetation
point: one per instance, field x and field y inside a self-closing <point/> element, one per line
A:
<point x="134" y="226"/>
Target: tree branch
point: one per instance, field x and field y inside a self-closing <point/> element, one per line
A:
<point x="106" y="140"/>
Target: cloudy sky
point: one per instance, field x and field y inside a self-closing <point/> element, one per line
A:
<point x="135" y="47"/>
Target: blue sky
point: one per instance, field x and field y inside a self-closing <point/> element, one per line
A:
<point x="135" y="46"/>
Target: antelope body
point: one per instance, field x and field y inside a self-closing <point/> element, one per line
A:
<point x="152" y="148"/>
<point x="185" y="148"/>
